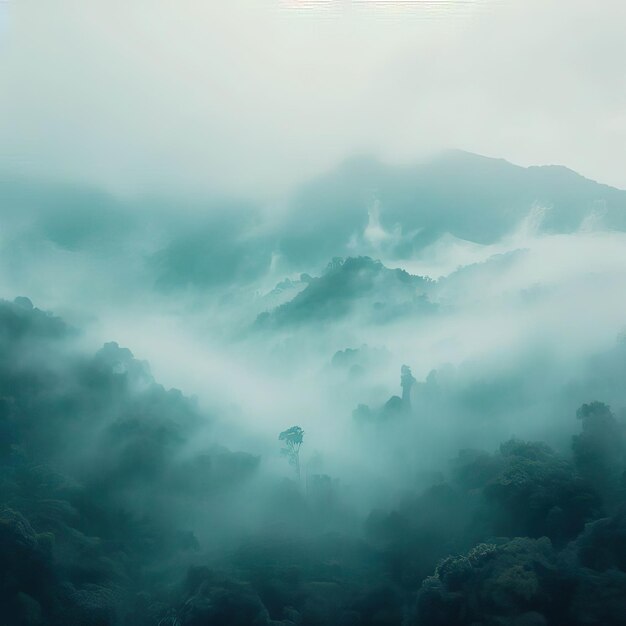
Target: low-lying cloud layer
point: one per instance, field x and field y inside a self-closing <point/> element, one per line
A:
<point x="249" y="378"/>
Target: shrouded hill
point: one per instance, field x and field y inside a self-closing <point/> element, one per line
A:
<point x="98" y="475"/>
<point x="354" y="285"/>
<point x="470" y="196"/>
<point x="73" y="217"/>
<point x="363" y="207"/>
<point x="111" y="514"/>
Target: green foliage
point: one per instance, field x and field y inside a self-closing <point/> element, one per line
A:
<point x="292" y="438"/>
<point x="97" y="533"/>
<point x="354" y="284"/>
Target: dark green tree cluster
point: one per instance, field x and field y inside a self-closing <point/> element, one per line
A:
<point x="112" y="515"/>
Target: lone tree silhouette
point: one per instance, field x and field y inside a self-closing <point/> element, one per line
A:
<point x="293" y="440"/>
<point x="406" y="382"/>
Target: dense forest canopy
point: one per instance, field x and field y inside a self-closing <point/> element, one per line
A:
<point x="312" y="313"/>
<point x="427" y="427"/>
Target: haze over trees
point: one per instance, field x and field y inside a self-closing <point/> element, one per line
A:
<point x="273" y="352"/>
<point x="465" y="451"/>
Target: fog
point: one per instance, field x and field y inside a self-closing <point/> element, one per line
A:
<point x="252" y="97"/>
<point x="506" y="336"/>
<point x="312" y="314"/>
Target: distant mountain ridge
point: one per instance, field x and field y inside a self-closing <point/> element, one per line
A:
<point x="472" y="197"/>
<point x="364" y="207"/>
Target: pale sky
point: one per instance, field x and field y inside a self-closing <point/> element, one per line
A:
<point x="251" y="97"/>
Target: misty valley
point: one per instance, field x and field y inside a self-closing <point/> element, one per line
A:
<point x="399" y="398"/>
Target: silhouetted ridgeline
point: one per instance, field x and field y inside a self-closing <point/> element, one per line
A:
<point x="349" y="284"/>
<point x="363" y="207"/>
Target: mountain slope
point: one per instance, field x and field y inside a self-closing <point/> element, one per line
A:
<point x="354" y="285"/>
<point x="470" y="196"/>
